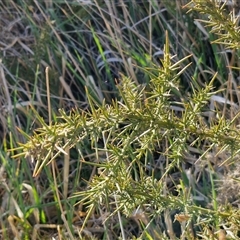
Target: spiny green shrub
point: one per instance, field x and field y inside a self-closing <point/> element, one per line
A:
<point x="125" y="137"/>
<point x="137" y="144"/>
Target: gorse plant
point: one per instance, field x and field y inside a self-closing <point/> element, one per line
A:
<point x="144" y="163"/>
<point x="124" y="137"/>
<point x="223" y="24"/>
